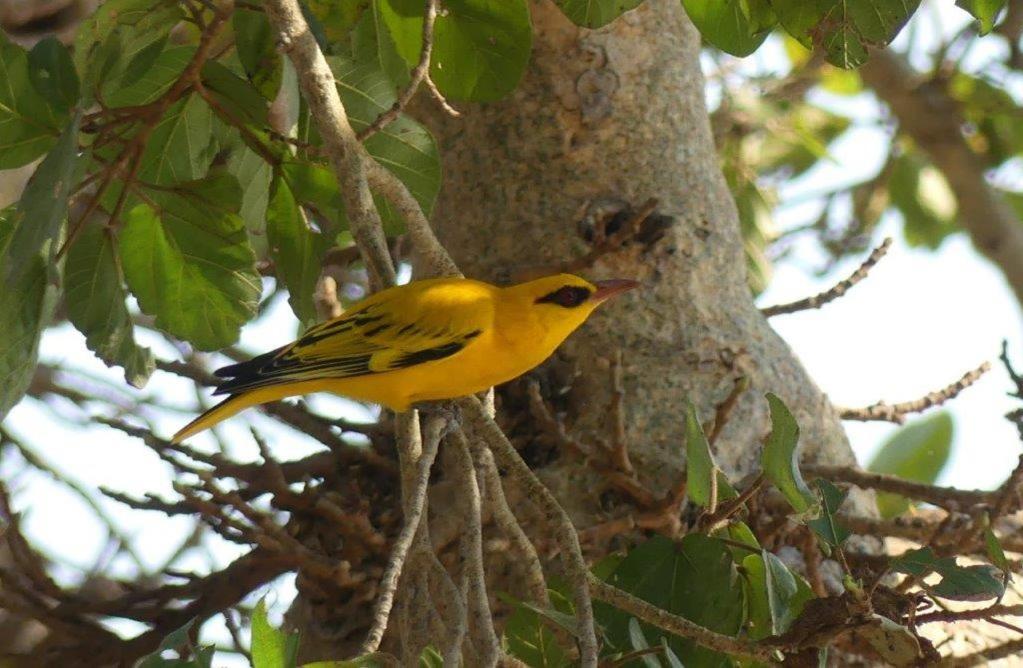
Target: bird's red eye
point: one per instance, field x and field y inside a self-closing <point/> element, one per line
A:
<point x="568" y="296"/>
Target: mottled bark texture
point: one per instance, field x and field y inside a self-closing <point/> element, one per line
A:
<point x="619" y="114"/>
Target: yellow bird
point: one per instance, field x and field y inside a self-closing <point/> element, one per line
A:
<point x="425" y="341"/>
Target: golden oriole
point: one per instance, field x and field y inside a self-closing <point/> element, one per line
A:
<point x="425" y="341"/>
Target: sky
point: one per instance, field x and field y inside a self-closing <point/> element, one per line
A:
<point x="918" y="322"/>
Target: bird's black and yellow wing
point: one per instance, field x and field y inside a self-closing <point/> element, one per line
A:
<point x="392" y="331"/>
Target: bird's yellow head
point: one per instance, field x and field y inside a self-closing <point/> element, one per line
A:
<point x="558" y="304"/>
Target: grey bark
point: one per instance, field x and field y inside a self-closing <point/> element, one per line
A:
<point x="619" y="113"/>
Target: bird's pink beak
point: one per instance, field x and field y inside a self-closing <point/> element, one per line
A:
<point x="610" y="288"/>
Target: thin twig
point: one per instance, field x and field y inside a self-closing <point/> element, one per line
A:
<point x="481" y="625"/>
<point x="483" y="426"/>
<point x="835" y="292"/>
<point x="419" y="73"/>
<point x="896" y="413"/>
<point x="945" y="497"/>
<point x="505" y="519"/>
<point x="347" y="156"/>
<point x="416" y="497"/>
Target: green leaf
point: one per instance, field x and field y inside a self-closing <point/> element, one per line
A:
<point x="845" y="30"/>
<point x="595" y="13"/>
<point x="780" y="461"/>
<point x="896" y="644"/>
<point x="528" y="638"/>
<point x="271" y="647"/>
<point x="917" y="452"/>
<point x="315" y="186"/>
<point x="257" y="50"/>
<point x="337" y="18"/>
<point x="826" y="526"/>
<point x="695" y="578"/>
<point x="400" y="24"/>
<point x="28" y="125"/>
<point x="237" y="97"/>
<point x="700" y="468"/>
<point x="53" y="74"/>
<point x="995" y="553"/>
<point x="157" y="80"/>
<point x="961" y="583"/>
<point x="181" y="146"/>
<point x="114" y="47"/>
<point x="918" y="562"/>
<point x="254" y="174"/>
<point x="924" y="198"/>
<point x="737" y="27"/>
<point x="96" y="304"/>
<point x="480" y="48"/>
<point x="985" y="11"/>
<point x="173" y="640"/>
<point x="373" y="41"/>
<point x="980" y="582"/>
<point x="297" y="250"/>
<point x="776" y="595"/>
<point x="42" y="208"/>
<point x="404" y="147"/>
<point x="26" y="306"/>
<point x="189" y="262"/>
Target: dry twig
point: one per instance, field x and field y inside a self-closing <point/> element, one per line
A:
<point x="834" y="292"/>
<point x="896" y="413"/>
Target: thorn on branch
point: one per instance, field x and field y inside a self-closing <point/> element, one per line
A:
<point x="835" y="292"/>
<point x="896" y="413"/>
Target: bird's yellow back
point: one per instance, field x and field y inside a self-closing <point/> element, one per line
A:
<point x="428" y="340"/>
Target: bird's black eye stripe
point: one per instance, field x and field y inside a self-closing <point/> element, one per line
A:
<point x="568" y="296"/>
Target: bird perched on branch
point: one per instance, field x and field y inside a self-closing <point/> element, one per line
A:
<point x="425" y="341"/>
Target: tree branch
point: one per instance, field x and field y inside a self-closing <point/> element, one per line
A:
<point x="928" y="114"/>
<point x="343" y="149"/>
<point x="896" y="413"/>
<point x="834" y="292"/>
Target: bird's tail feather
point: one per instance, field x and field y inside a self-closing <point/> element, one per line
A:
<point x="238" y="402"/>
<point x="221" y="411"/>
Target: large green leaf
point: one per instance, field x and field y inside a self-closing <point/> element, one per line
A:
<point x="187" y="259"/>
<point x="238" y="98"/>
<point x="700" y="468"/>
<point x="776" y="595"/>
<point x="297" y="250"/>
<point x="918" y="452"/>
<point x="28" y="125"/>
<point x="404" y="147"/>
<point x="155" y="81"/>
<point x="694" y="578"/>
<point x="181" y="145"/>
<point x="528" y="638"/>
<point x="737" y="27"/>
<point x="480" y="48"/>
<point x="25" y="309"/>
<point x="595" y="13"/>
<point x="53" y="74"/>
<point x="780" y="460"/>
<point x="984" y="11"/>
<point x="42" y="208"/>
<point x="271" y="647"/>
<point x="254" y="174"/>
<point x="827" y="526"/>
<point x="114" y="47"/>
<point x="845" y="30"/>
<point x="977" y="582"/>
<point x="95" y="298"/>
<point x="257" y="50"/>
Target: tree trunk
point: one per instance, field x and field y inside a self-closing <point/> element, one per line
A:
<point x="618" y="114"/>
